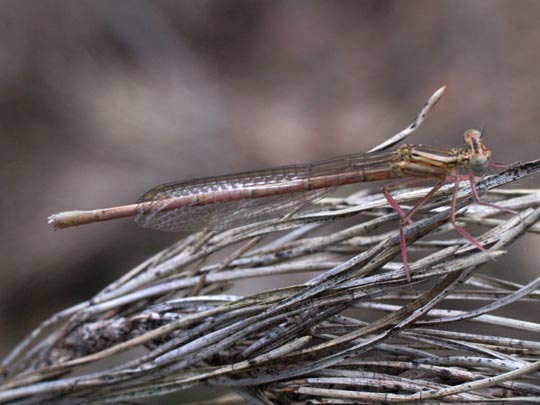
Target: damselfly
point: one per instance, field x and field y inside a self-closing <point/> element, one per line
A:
<point x="236" y="199"/>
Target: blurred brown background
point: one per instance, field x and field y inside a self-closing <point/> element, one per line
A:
<point x="100" y="101"/>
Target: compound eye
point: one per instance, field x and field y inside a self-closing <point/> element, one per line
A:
<point x="479" y="164"/>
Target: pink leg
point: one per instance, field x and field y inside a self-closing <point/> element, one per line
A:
<point x="406" y="218"/>
<point x="458" y="228"/>
<point x="394" y="204"/>
<point x="424" y="200"/>
<point x="476" y="198"/>
<point x="404" y="254"/>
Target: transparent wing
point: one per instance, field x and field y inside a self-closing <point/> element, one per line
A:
<point x="227" y="214"/>
<point x="237" y="199"/>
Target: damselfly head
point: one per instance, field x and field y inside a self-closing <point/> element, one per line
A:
<point x="479" y="153"/>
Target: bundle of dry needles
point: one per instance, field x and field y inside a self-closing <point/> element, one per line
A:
<point x="353" y="331"/>
<point x="295" y="344"/>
